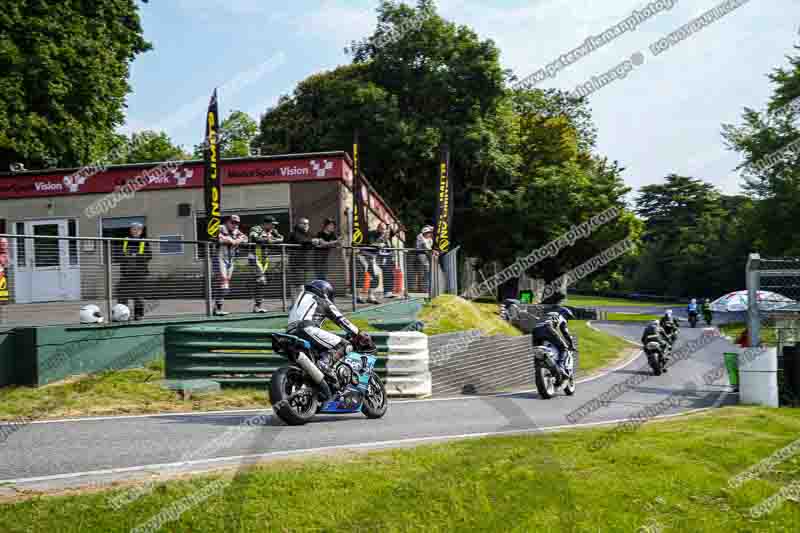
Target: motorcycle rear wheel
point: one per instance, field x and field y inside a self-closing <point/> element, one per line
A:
<point x="285" y="383"/>
<point x="545" y="381"/>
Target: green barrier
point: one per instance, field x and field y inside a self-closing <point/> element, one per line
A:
<point x="233" y="356"/>
<point x="732" y="364"/>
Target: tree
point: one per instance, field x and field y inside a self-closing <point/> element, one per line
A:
<point x="769" y="143"/>
<point x="149" y="146"/>
<point x="236" y="138"/>
<point x="65" y="74"/>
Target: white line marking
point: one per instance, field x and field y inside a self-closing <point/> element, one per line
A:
<point x="362" y="445"/>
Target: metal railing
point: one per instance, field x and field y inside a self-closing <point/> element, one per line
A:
<point x="49" y="278"/>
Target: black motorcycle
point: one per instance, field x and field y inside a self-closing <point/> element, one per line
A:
<point x="657" y="356"/>
<point x="693" y="318"/>
<point x="548" y="374"/>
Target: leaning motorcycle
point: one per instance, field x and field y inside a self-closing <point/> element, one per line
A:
<point x="656" y="357"/>
<point x="548" y="376"/>
<point x="293" y="389"/>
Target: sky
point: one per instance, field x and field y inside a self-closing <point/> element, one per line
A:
<point x="665" y="116"/>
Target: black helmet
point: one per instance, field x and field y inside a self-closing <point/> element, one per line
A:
<point x="320" y="287"/>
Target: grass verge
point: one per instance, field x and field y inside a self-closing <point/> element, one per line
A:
<point x="668" y="476"/>
<point x="598" y="301"/>
<point x="632" y="317"/>
<point x="449" y="313"/>
<point x="122" y="392"/>
<point x="597" y="349"/>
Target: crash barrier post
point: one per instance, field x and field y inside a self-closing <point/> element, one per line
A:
<point x="239" y="356"/>
<point x="758" y="379"/>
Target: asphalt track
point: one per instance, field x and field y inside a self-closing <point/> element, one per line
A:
<point x="75" y="453"/>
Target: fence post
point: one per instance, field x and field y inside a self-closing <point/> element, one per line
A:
<point x="207" y="275"/>
<point x="431" y="276"/>
<point x="283" y="276"/>
<point x="109" y="295"/>
<point x="753" y="285"/>
<point x="404" y="263"/>
<point x="353" y="276"/>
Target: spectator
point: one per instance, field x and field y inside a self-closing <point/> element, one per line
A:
<point x="302" y="270"/>
<point x="230" y="238"/>
<point x="383" y="240"/>
<point x="134" y="257"/>
<point x="425" y="245"/>
<point x="262" y="236"/>
<point x="4" y="283"/>
<point x="368" y="261"/>
<point x="326" y="240"/>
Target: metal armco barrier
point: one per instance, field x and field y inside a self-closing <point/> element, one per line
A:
<point x="238" y="356"/>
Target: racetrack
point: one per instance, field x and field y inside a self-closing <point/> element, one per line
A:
<point x="58" y="454"/>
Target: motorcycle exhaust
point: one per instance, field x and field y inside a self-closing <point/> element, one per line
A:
<point x="311" y="369"/>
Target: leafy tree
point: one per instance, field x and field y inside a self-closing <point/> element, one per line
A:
<point x="236" y="137"/>
<point x="65" y="68"/>
<point x="149" y="146"/>
<point x="769" y="144"/>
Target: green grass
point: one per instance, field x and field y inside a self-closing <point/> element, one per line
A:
<point x="672" y="475"/>
<point x="597" y="348"/>
<point x="449" y="313"/>
<point x="597" y="301"/>
<point x="133" y="391"/>
<point x="632" y="317"/>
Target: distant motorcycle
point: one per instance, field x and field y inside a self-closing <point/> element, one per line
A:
<point x="693" y="318"/>
<point x="656" y="356"/>
<point x="353" y="381"/>
<point x="549" y="376"/>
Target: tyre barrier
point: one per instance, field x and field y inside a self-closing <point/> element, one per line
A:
<point x="239" y="356"/>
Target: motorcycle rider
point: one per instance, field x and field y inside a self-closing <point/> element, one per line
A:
<point x="554" y="329"/>
<point x="669" y="324"/>
<point x="705" y="310"/>
<point x="312" y="307"/>
<point x="655" y="333"/>
<point x="692" y="307"/>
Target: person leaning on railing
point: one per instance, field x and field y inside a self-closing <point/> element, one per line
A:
<point x="326" y="240"/>
<point x="134" y="256"/>
<point x="261" y="237"/>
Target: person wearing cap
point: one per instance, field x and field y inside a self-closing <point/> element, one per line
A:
<point x="425" y="246"/>
<point x="229" y="239"/>
<point x="134" y="258"/>
<point x="324" y="242"/>
<point x="383" y="240"/>
<point x="301" y="258"/>
<point x="262" y="236"/>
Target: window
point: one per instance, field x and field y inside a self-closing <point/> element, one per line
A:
<point x="249" y="219"/>
<point x="170" y="245"/>
<point x="119" y="228"/>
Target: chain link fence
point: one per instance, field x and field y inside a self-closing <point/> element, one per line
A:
<point x="49" y="277"/>
<point x="773" y="317"/>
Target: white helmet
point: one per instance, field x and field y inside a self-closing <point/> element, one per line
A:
<point x="120" y="313"/>
<point x="668" y="313"/>
<point x="694" y="300"/>
<point x="90" y="314"/>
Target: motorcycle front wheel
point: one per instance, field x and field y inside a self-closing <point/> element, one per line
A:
<point x="375" y="403"/>
<point x="288" y="400"/>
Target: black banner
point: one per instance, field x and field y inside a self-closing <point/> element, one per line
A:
<point x="444" y="205"/>
<point x="213" y="176"/>
<point x="360" y="218"/>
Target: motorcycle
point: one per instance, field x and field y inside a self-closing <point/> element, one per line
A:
<point x="549" y="376"/>
<point x="293" y="391"/>
<point x="656" y="357"/>
<point x="693" y="318"/>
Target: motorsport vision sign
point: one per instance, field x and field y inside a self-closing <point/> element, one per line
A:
<point x="444" y="205"/>
<point x="213" y="177"/>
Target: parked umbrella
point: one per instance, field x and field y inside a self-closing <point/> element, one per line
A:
<point x="737" y="302"/>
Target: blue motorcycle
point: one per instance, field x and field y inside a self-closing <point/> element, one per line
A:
<point x="356" y="387"/>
